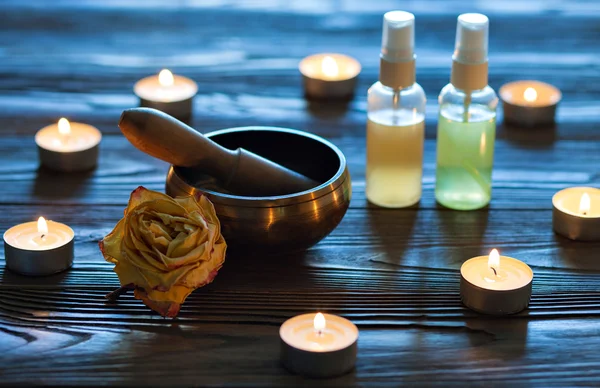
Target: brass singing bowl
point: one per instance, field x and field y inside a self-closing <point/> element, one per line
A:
<point x="277" y="224"/>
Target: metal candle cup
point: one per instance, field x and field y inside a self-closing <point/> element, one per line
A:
<point x="529" y="103"/>
<point x="172" y="94"/>
<point x="31" y="252"/>
<point x="497" y="290"/>
<point x="318" y="345"/>
<point x="329" y="76"/>
<point x="68" y="147"/>
<point x="576" y="213"/>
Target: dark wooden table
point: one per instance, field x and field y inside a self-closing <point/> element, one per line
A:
<point x="393" y="272"/>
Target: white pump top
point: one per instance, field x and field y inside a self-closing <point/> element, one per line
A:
<point x="398" y="41"/>
<point x="471" y="39"/>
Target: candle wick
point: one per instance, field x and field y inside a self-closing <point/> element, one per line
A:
<point x="43" y="235"/>
<point x="493" y="269"/>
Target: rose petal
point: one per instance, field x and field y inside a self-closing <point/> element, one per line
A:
<point x="171" y="220"/>
<point x="198" y="277"/>
<point x="165" y="279"/>
<point x="129" y="274"/>
<point x="148" y="261"/>
<point x="176" y="294"/>
<point x="142" y="195"/>
<point x="188" y="203"/>
<point x="158" y="229"/>
<point x="178" y="246"/>
<point x="203" y="274"/>
<point x="111" y="244"/>
<point x="208" y="211"/>
<point x="165" y="308"/>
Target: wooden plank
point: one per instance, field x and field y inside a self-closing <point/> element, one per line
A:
<point x="419" y="296"/>
<point x="577" y="120"/>
<point x="366" y="239"/>
<point x="324" y="7"/>
<point x="393" y="272"/>
<point x="243" y="83"/>
<point x="526" y="174"/>
<point x="405" y="353"/>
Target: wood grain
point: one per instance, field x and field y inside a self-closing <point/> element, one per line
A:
<point x="89" y="76"/>
<point x="393" y="272"/>
<point x="388" y="356"/>
<point x="369" y="238"/>
<point x="524" y="169"/>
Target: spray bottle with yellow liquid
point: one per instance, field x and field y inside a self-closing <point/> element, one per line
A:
<point x="396" y="119"/>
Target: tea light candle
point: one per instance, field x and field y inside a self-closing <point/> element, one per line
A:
<point x="495" y="284"/>
<point x="529" y="103"/>
<point x="576" y="213"/>
<point x="329" y="76"/>
<point x="39" y="248"/>
<point x="318" y="345"/>
<point x="172" y="94"/>
<point x="68" y="146"/>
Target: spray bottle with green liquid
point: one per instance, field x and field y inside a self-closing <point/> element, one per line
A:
<point x="467" y="121"/>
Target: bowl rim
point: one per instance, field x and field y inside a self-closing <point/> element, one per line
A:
<point x="277" y="200"/>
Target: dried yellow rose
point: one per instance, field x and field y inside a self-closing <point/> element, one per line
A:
<point x="164" y="248"/>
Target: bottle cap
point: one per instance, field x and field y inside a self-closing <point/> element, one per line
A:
<point x="398" y="41"/>
<point x="471" y="39"/>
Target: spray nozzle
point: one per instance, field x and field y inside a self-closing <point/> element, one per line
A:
<point x="471" y="39"/>
<point x="398" y="36"/>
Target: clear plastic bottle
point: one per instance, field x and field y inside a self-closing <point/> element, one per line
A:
<point x="396" y="119"/>
<point x="467" y="122"/>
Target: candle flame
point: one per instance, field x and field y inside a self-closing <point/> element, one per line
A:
<point x="320" y="323"/>
<point x="64" y="128"/>
<point x="494" y="259"/>
<point x="584" y="204"/>
<point x="42" y="226"/>
<point x="530" y="95"/>
<point x="165" y="78"/>
<point x="329" y="67"/>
